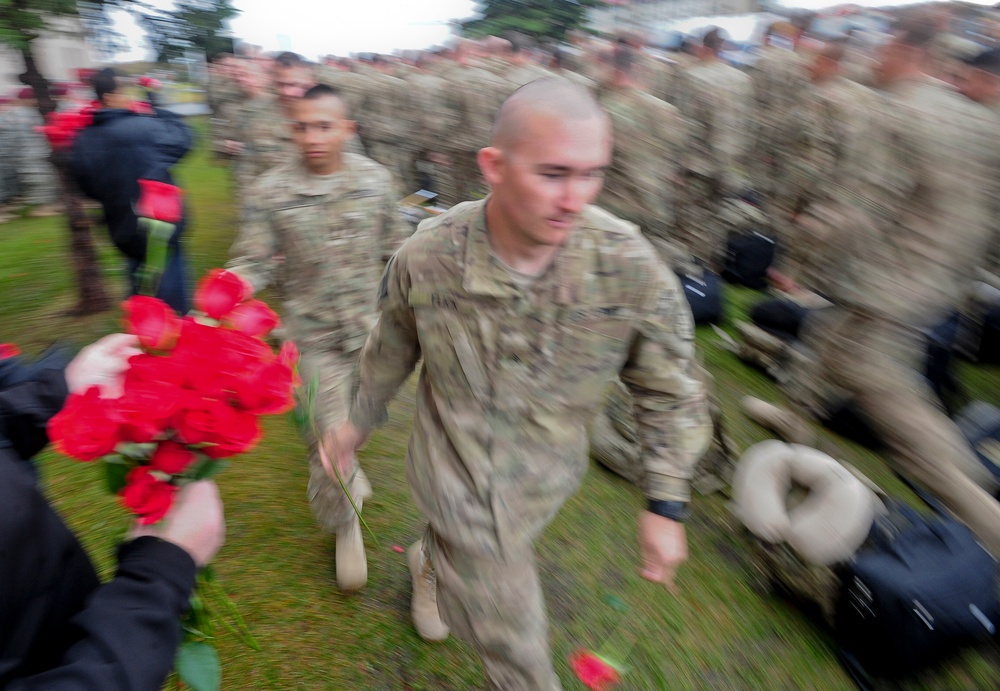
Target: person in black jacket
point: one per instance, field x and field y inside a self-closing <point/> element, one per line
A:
<point x="110" y="157"/>
<point x="60" y="628"/>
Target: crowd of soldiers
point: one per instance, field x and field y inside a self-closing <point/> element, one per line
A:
<point x="821" y="144"/>
<point x="876" y="173"/>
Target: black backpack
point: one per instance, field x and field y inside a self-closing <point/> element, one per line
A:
<point x="704" y="295"/>
<point x="921" y="587"/>
<point x="749" y="255"/>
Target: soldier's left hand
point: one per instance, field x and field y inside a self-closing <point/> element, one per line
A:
<point x="663" y="543"/>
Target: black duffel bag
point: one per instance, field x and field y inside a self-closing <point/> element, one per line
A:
<point x="921" y="587"/>
<point x="704" y="295"/>
<point x="749" y="254"/>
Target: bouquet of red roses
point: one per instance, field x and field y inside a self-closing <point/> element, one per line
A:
<point x="191" y="399"/>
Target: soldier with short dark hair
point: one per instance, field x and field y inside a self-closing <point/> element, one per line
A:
<point x="328" y="219"/>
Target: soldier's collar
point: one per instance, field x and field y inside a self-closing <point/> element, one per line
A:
<point x="484" y="276"/>
<point x="337" y="185"/>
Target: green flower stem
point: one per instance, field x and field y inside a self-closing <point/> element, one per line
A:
<point x="343" y="485"/>
<point x="157" y="235"/>
<point x="240" y="630"/>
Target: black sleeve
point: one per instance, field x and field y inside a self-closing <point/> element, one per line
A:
<point x="173" y="141"/>
<point x="128" y="633"/>
<point x="25" y="410"/>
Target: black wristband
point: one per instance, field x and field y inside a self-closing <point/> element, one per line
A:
<point x="674" y="510"/>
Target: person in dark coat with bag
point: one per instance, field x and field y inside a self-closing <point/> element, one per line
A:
<point x="60" y="628"/>
<point x="109" y="157"/>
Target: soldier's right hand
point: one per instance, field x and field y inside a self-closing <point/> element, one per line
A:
<point x="339" y="447"/>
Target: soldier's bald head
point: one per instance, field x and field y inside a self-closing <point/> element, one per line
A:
<point x="551" y="98"/>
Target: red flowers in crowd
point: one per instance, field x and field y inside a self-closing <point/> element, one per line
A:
<point x="193" y="397"/>
<point x="62" y="127"/>
<point x="594" y="671"/>
<point x="159" y="201"/>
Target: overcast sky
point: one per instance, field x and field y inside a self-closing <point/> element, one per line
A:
<point x="319" y="27"/>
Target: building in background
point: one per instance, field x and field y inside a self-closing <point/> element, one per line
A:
<point x="59" y="53"/>
<point x="643" y="15"/>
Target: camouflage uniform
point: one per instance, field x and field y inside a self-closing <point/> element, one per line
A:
<point x="715" y="99"/>
<point x="779" y="80"/>
<point x="475" y="99"/>
<point x="224" y="100"/>
<point x="641" y="184"/>
<point x="8" y="149"/>
<point x="511" y="375"/>
<point x="931" y="160"/>
<point x="334" y="234"/>
<point x="432" y="121"/>
<point x="267" y="140"/>
<point x="823" y="136"/>
<point x="383" y="125"/>
<point x="37" y="181"/>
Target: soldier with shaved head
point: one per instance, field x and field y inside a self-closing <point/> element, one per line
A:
<point x="523" y="306"/>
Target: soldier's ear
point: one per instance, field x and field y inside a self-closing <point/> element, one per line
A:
<point x="350" y="127"/>
<point x="491" y="161"/>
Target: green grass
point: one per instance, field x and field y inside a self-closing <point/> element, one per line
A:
<point x="724" y="630"/>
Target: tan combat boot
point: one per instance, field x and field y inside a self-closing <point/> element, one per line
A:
<point x="784" y="423"/>
<point x="423" y="605"/>
<point x="352" y="564"/>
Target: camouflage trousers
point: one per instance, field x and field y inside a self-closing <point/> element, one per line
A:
<point x="329" y="504"/>
<point x="496" y="605"/>
<point x="36" y="175"/>
<point x="699" y="226"/>
<point x="878" y="364"/>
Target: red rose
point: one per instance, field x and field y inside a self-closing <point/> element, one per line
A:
<point x="8" y="350"/>
<point x="239" y="436"/>
<point x="172" y="458"/>
<point x="154" y="368"/>
<point x="146" y="495"/>
<point x="153" y="321"/>
<point x="201" y="418"/>
<point x="146" y="408"/>
<point x="267" y="390"/>
<point x="594" y="672"/>
<point x="159" y="201"/>
<point x="87" y="427"/>
<point x="253" y="317"/>
<point x="197" y="356"/>
<point x="219" y="292"/>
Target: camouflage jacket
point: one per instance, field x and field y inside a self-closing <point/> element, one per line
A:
<point x="649" y="138"/>
<point x="716" y="99"/>
<point x="928" y="178"/>
<point x="330" y="236"/>
<point x="511" y="376"/>
<point x="267" y="140"/>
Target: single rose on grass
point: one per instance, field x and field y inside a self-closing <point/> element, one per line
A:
<point x="87" y="427"/>
<point x="219" y="292"/>
<point x="8" y="350"/>
<point x="593" y="671"/>
<point x="146" y="495"/>
<point x="153" y="321"/>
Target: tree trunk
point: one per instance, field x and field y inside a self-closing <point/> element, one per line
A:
<point x="91" y="297"/>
